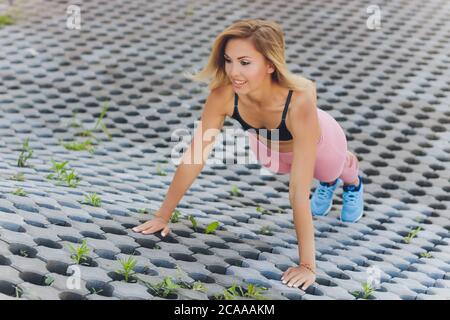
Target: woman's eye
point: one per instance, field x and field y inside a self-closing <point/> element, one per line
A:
<point x="243" y="62"/>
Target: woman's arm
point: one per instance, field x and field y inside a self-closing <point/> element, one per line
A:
<point x="192" y="161"/>
<point x="306" y="133"/>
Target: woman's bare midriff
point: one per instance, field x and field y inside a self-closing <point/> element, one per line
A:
<point x="254" y="115"/>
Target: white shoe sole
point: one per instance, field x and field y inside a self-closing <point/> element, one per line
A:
<point x="360" y="216"/>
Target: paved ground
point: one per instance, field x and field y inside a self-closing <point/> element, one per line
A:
<point x="388" y="88"/>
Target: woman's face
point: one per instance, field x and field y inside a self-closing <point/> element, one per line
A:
<point x="243" y="63"/>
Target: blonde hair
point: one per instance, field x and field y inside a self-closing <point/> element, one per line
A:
<point x="267" y="37"/>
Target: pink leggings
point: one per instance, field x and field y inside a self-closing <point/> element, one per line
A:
<point x="332" y="159"/>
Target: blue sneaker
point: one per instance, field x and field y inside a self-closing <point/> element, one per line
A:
<point x="353" y="204"/>
<point x="322" y="199"/>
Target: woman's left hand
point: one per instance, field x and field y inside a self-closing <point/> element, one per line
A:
<point x="296" y="276"/>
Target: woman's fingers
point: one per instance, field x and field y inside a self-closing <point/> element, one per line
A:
<point x="165" y="231"/>
<point x="151" y="229"/>
<point x="307" y="284"/>
<point x="299" y="282"/>
<point x="287" y="275"/>
<point x="142" y="226"/>
<point x="295" y="279"/>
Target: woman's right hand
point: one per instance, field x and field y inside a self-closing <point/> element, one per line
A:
<point x="152" y="226"/>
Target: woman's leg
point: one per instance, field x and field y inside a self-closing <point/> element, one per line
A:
<point x="351" y="169"/>
<point x="331" y="150"/>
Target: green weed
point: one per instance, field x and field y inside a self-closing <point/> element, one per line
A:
<point x="6" y="20"/>
<point x="127" y="267"/>
<point x="426" y="255"/>
<point x="92" y="199"/>
<point x="235" y="191"/>
<point x="165" y="288"/>
<point x="210" y="228"/>
<point x="159" y="171"/>
<point x="18" y="177"/>
<point x="265" y="230"/>
<point x="79" y="146"/>
<point x="19" y="192"/>
<point x="233" y="292"/>
<point x="49" y="280"/>
<point x="193" y="221"/>
<point x="62" y="175"/>
<point x="411" y="235"/>
<point x="175" y="217"/>
<point x="25" y="154"/>
<point x="263" y="211"/>
<point x="79" y="253"/>
<point x="367" y="290"/>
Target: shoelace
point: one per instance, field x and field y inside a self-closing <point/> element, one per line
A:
<point x="350" y="197"/>
<point x="325" y="191"/>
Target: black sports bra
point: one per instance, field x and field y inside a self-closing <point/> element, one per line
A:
<point x="284" y="134"/>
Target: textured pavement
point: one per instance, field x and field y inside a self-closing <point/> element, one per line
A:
<point x="388" y="88"/>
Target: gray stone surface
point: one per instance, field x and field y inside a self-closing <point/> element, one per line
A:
<point x="391" y="98"/>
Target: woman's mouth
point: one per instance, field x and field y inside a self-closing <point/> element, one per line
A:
<point x="238" y="84"/>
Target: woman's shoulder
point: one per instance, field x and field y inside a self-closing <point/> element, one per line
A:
<point x="304" y="97"/>
<point x="225" y="95"/>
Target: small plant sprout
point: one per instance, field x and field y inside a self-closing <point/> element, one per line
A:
<point x="72" y="179"/>
<point x="255" y="292"/>
<point x="127" y="267"/>
<point x="19" y="192"/>
<point x="95" y="291"/>
<point x="23" y="253"/>
<point x="25" y="154"/>
<point x="426" y="255"/>
<point x="233" y="292"/>
<point x="199" y="286"/>
<point x="49" y="280"/>
<point x="79" y="146"/>
<point x="175" y="216"/>
<point x="19" y="291"/>
<point x="265" y="230"/>
<point x="411" y="235"/>
<point x="62" y="175"/>
<point x="193" y="221"/>
<point x="79" y="253"/>
<point x="367" y="290"/>
<point x="84" y="133"/>
<point x="6" y="20"/>
<point x="189" y="10"/>
<point x="59" y="169"/>
<point x="210" y="228"/>
<point x="159" y="171"/>
<point x="100" y="120"/>
<point x="92" y="199"/>
<point x="18" y="177"/>
<point x="74" y="123"/>
<point x="164" y="288"/>
<point x="235" y="191"/>
<point x="143" y="210"/>
<point x="262" y="211"/>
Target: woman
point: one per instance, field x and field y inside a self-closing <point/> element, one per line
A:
<point x="249" y="79"/>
